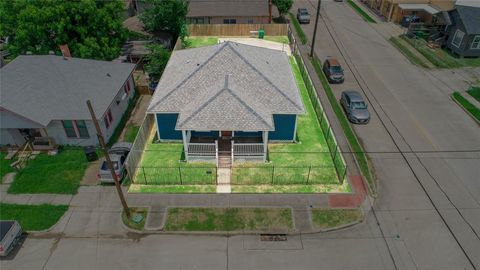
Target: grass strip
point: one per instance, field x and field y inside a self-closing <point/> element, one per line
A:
<point x="331" y="218"/>
<point x="279" y="39"/>
<point x="123" y="121"/>
<point x="361" y="12"/>
<point x="135" y="188"/>
<point x="298" y="28"/>
<point x="199" y="41"/>
<point x="33" y="217"/>
<point x="474" y="92"/>
<point x="229" y="219"/>
<point x="131" y="133"/>
<point x="272" y="189"/>
<point x="474" y="111"/>
<point x="347" y="129"/>
<point x="134" y="212"/>
<point x="407" y="52"/>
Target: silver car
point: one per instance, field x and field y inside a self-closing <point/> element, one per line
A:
<point x="355" y="107"/>
<point x="118" y="154"/>
<point x="303" y="16"/>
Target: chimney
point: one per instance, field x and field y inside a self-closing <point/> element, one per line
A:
<point x="270" y="11"/>
<point x="65" y="51"/>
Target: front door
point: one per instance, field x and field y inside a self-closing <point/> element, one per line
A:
<point x="226" y="134"/>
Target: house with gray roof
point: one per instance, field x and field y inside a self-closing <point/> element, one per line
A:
<point x="43" y="99"/>
<point x="229" y="98"/>
<point x="464" y="32"/>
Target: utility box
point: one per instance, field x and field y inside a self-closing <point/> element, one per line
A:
<point x="90" y="153"/>
<point x="261" y="33"/>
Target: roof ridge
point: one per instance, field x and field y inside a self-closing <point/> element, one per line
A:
<point x="220" y="48"/>
<point x="265" y="78"/>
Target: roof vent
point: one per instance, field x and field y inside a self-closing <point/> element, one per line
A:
<point x="51" y="52"/>
<point x="108" y="75"/>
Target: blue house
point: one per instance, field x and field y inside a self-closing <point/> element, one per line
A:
<point x="227" y="102"/>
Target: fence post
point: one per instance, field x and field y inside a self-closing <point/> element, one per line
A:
<point x="309" y="169"/>
<point x="335" y="155"/>
<point x="216" y="176"/>
<point x="273" y="173"/>
<point x="180" y="175"/>
<point x="344" y="175"/>
<point x="144" y="175"/>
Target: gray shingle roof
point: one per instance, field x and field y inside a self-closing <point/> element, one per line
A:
<point x="228" y="86"/>
<point x="47" y="87"/>
<point x="212" y="8"/>
<point x="470" y="16"/>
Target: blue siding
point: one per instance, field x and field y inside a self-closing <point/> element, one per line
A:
<point x="247" y="134"/>
<point x="205" y="134"/>
<point x="284" y="128"/>
<point x="166" y="126"/>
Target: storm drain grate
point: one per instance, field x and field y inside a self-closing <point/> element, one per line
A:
<point x="273" y="237"/>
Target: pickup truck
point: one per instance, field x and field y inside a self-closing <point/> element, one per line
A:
<point x="10" y="233"/>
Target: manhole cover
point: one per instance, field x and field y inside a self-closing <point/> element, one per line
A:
<point x="273" y="237"/>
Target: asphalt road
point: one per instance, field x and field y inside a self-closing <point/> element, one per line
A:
<point x="428" y="207"/>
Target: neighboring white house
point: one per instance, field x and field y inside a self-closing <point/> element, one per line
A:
<point x="44" y="97"/>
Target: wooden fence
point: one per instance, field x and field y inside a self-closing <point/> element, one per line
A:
<point x="236" y="30"/>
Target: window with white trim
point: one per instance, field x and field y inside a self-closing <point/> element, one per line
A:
<point x="476" y="43"/>
<point x="457" y="38"/>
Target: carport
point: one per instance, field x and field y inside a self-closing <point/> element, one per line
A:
<point x="427" y="13"/>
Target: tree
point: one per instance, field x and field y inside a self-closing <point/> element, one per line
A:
<point x="283" y="6"/>
<point x="165" y="15"/>
<point x="91" y="28"/>
<point x="156" y="61"/>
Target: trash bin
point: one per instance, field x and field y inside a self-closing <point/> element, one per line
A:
<point x="261" y="33"/>
<point x="90" y="153"/>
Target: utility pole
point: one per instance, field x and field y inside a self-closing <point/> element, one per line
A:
<point x="315" y="29"/>
<point x="109" y="161"/>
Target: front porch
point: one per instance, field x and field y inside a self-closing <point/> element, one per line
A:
<point x="225" y="147"/>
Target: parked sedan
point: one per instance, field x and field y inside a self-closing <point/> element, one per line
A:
<point x="355" y="107"/>
<point x="118" y="154"/>
<point x="303" y="16"/>
<point x="333" y="71"/>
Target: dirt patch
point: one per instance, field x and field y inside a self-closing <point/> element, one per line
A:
<point x="90" y="176"/>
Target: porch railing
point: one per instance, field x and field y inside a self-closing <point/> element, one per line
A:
<point x="202" y="151"/>
<point x="247" y="151"/>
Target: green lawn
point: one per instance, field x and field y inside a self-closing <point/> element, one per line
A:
<point x="305" y="162"/>
<point x="131" y="133"/>
<point x="130" y="222"/>
<point x="279" y="39"/>
<point x="475" y="93"/>
<point x="197" y="42"/>
<point x="33" y="217"/>
<point x="52" y="174"/>
<point x="298" y="29"/>
<point x="347" y="129"/>
<point x="472" y="109"/>
<point x="163" y="164"/>
<point x="4" y="166"/>
<point x="440" y="57"/>
<point x="135" y="188"/>
<point x="397" y="42"/>
<point x="229" y="219"/>
<point x="361" y="12"/>
<point x="331" y="218"/>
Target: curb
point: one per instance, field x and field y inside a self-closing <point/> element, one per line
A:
<point x="464" y="109"/>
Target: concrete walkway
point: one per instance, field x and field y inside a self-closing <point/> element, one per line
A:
<point x="260" y="43"/>
<point x="32" y="199"/>
<point x="223" y="180"/>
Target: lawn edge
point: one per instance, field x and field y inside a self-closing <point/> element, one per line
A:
<point x="458" y="98"/>
<point x="361" y="12"/>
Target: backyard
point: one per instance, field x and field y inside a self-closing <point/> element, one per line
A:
<point x="60" y="174"/>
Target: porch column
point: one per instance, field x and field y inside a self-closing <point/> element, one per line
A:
<point x="185" y="143"/>
<point x="265" y="145"/>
